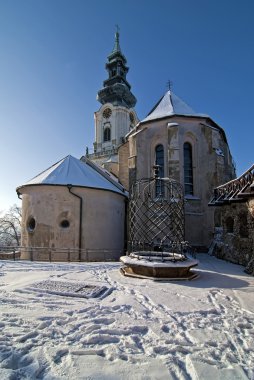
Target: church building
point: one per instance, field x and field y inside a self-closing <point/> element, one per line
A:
<point x="189" y="147"/>
<point x="80" y="205"/>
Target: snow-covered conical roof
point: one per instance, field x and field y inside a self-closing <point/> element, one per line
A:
<point x="72" y="171"/>
<point x="170" y="105"/>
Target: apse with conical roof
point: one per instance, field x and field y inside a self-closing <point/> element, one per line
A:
<point x="75" y="208"/>
<point x="73" y="172"/>
<point x="188" y="147"/>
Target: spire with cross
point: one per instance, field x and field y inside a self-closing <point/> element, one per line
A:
<point x="116" y="47"/>
<point x="116" y="89"/>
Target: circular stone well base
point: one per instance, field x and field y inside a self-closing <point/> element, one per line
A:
<point x="158" y="270"/>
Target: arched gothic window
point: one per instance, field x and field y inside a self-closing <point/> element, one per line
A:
<point x="107" y="134"/>
<point x="188" y="169"/>
<point x="159" y="160"/>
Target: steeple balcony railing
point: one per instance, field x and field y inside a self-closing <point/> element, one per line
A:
<point x="104" y="152"/>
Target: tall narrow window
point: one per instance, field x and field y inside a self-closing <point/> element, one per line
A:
<point x="188" y="169"/>
<point x="159" y="160"/>
<point x="107" y="134"/>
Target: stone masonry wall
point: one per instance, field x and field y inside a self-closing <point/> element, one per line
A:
<point x="234" y="239"/>
<point x="123" y="156"/>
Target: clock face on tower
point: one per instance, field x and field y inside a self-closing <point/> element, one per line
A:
<point x="107" y="113"/>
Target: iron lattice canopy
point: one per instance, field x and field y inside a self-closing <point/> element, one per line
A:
<point x="156" y="215"/>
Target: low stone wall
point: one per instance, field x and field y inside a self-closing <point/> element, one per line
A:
<point x="234" y="235"/>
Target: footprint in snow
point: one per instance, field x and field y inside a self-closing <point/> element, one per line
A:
<point x="59" y="355"/>
<point x="30" y="335"/>
<point x="104" y="321"/>
<point x="101" y="340"/>
<point x="16" y="360"/>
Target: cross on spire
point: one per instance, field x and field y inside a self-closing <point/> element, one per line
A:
<point x="169" y="84"/>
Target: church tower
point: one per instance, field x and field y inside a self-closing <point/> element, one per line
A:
<point x="116" y="117"/>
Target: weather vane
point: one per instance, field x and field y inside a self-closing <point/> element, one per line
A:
<point x="169" y="84"/>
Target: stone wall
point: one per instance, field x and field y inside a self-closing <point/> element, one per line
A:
<point x="123" y="173"/>
<point x="234" y="234"/>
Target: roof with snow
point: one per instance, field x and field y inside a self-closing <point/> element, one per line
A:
<point x="72" y="171"/>
<point x="170" y="105"/>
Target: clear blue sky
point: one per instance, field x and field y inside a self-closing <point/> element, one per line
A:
<point x="52" y="63"/>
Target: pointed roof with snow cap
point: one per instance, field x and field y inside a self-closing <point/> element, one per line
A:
<point x="170" y="105"/>
<point x="74" y="172"/>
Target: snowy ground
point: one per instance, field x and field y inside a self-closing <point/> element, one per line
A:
<point x="136" y="329"/>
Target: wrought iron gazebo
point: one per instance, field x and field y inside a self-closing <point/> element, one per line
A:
<point x="156" y="245"/>
<point x="156" y="216"/>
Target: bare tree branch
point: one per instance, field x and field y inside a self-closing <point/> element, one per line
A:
<point x="10" y="226"/>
